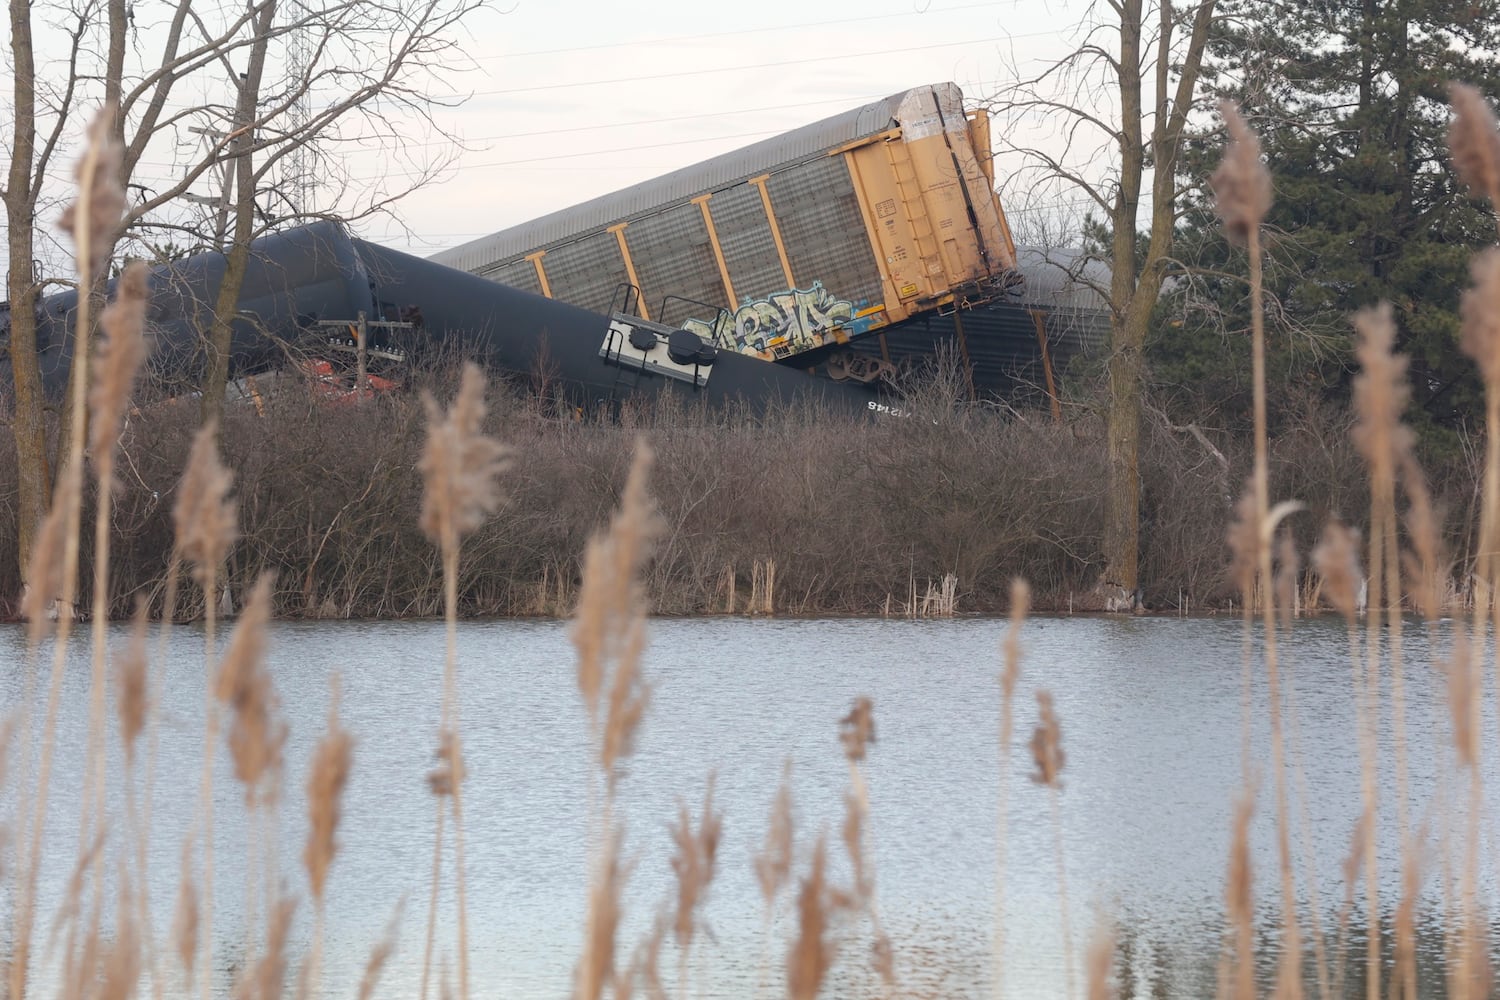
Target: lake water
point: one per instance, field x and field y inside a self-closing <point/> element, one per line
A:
<point x="1151" y="722"/>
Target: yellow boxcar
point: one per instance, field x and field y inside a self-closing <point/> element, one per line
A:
<point x="811" y="238"/>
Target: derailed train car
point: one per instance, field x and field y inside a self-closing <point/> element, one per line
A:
<point x="308" y="288"/>
<point x="862" y="221"/>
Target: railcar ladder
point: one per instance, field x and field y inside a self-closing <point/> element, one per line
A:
<point x="915" y="210"/>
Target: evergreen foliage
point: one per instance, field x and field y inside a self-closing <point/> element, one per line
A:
<point x="1350" y="101"/>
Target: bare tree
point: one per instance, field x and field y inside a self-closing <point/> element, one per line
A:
<point x="1097" y="99"/>
<point x="377" y="71"/>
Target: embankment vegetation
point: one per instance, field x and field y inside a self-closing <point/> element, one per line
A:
<point x="797" y="511"/>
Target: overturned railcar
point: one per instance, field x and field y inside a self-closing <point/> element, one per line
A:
<point x="294" y="278"/>
<point x="861" y="221"/>
<point x="598" y="358"/>
<point x="307" y="290"/>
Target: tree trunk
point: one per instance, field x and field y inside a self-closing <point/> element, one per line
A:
<point x="221" y="328"/>
<point x="1122" y="487"/>
<point x="1122" y="502"/>
<point x="1136" y="276"/>
<point x="29" y="426"/>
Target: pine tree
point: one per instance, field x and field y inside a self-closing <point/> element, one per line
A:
<point x="1350" y="100"/>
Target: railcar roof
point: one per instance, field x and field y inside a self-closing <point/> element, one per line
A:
<point x="731" y="168"/>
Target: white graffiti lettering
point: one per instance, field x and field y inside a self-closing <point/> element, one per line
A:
<point x="782" y="323"/>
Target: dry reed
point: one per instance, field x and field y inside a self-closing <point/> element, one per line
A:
<point x="857" y="734"/>
<point x="93" y="220"/>
<point x="116" y="365"/>
<point x="693" y="865"/>
<point x="186" y="919"/>
<point x="379" y="955"/>
<point x="1239" y="900"/>
<point x="1049" y="757"/>
<point x="812" y="953"/>
<point x="597" y="967"/>
<point x="264" y="978"/>
<point x="256" y="736"/>
<point x="1475" y="142"/>
<point x="460" y="469"/>
<point x="609" y="634"/>
<point x="1101" y="963"/>
<point x="774" y="862"/>
<point x="773" y="866"/>
<point x="1243" y="193"/>
<point x="205" y="518"/>
<point x="325" y="792"/>
<point x="1010" y="673"/>
<point x="326" y="779"/>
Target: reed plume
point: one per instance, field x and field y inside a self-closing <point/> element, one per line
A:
<point x="608" y="623"/>
<point x="256" y="736"/>
<point x="812" y="953"/>
<point x="265" y="977"/>
<point x="598" y="965"/>
<point x="1010" y="673"/>
<point x="379" y="955"/>
<point x="646" y="963"/>
<point x="1048" y="756"/>
<point x="1241" y="184"/>
<point x="773" y="865"/>
<point x="1046" y="743"/>
<point x="460" y="465"/>
<point x="1243" y="194"/>
<point x="460" y="469"/>
<point x="122" y="957"/>
<point x="185" y="919"/>
<point x="1474" y="140"/>
<point x="693" y="865"/>
<point x="117" y="364"/>
<point x="857" y="729"/>
<point x="1239" y="900"/>
<point x="774" y="862"/>
<point x="205" y="515"/>
<point x="131" y="683"/>
<point x="1101" y="963"/>
<point x="205" y="519"/>
<point x="325" y="791"/>
<point x="857" y="733"/>
<point x="1336" y="558"/>
<point x="609" y="635"/>
<point x="94" y="218"/>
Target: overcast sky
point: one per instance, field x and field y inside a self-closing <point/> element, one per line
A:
<point x="570" y="99"/>
<point x="577" y="98"/>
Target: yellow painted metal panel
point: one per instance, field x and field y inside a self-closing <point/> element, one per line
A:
<point x="765" y="200"/>
<point x="713" y="240"/>
<point x="619" y="232"/>
<point x="920" y="270"/>
<point x="981" y="142"/>
<point x="895" y="311"/>
<point x="541" y="275"/>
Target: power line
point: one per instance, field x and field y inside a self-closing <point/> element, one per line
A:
<point x="739" y="69"/>
<point x="628" y="43"/>
<point x="572" y="156"/>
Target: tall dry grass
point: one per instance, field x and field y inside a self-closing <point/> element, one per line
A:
<point x="654" y="547"/>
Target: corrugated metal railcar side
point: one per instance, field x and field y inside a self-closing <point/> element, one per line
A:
<point x="832" y="230"/>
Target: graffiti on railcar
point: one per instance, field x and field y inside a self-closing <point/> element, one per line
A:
<point x="787" y="322"/>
